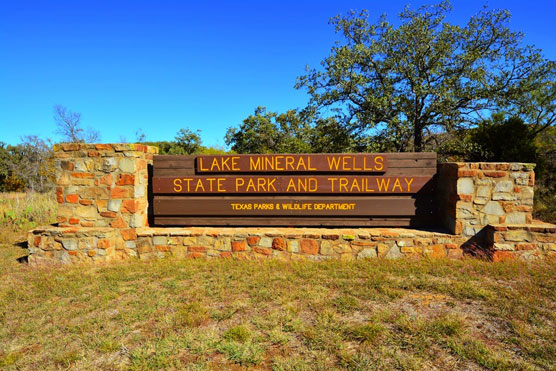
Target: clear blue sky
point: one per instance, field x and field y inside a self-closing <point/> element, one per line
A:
<point x="163" y="65"/>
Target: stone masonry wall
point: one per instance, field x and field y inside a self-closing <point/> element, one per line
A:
<point x="525" y="242"/>
<point x="102" y="194"/>
<point x="474" y="195"/>
<point x="58" y="245"/>
<point x="102" y="185"/>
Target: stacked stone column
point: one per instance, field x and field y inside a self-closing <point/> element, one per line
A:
<point x="474" y="195"/>
<point x="102" y="192"/>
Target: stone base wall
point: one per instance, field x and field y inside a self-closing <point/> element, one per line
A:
<point x="56" y="245"/>
<point x="526" y="242"/>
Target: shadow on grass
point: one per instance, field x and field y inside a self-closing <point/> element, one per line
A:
<point x="25" y="258"/>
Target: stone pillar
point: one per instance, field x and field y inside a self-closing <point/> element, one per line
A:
<point x="474" y="195"/>
<point x="102" y="194"/>
<point x="102" y="185"/>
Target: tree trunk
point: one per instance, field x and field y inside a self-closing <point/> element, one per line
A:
<point x="417" y="138"/>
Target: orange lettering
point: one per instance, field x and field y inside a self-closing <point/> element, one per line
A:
<point x="214" y="164"/>
<point x="398" y="184"/>
<point x="343" y="184"/>
<point x="177" y="185"/>
<point x="199" y="185"/>
<point x="201" y="164"/>
<point x="220" y="182"/>
<point x="239" y="183"/>
<point x="225" y="164"/>
<point x="333" y="162"/>
<point x="271" y="184"/>
<point x="408" y="184"/>
<point x="255" y="165"/>
<point x="278" y="158"/>
<point x="332" y="180"/>
<point x="188" y="180"/>
<point x="289" y="163"/>
<point x="261" y="183"/>
<point x="301" y="161"/>
<point x="344" y="164"/>
<point x="250" y="185"/>
<point x="383" y="184"/>
<point x="355" y="163"/>
<point x="309" y="163"/>
<point x="379" y="163"/>
<point x="235" y="166"/>
<point x="291" y="184"/>
<point x="355" y="184"/>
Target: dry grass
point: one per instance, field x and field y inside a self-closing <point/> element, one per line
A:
<point x="286" y="316"/>
<point x="20" y="212"/>
<point x="225" y="314"/>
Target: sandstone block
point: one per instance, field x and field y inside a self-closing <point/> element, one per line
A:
<point x="503" y="186"/>
<point x="517" y="236"/>
<point x="238" y="246"/>
<point x="114" y="205"/>
<point x="503" y="246"/>
<point x="69" y="244"/>
<point x="253" y="240"/>
<point x="293" y="246"/>
<point x="223" y="244"/>
<point x="367" y="253"/>
<point x="86" y="212"/>
<point x="327" y="247"/>
<point x="493" y="208"/>
<point x="127" y="165"/>
<point x="309" y="247"/>
<point x="465" y="186"/>
<point x="266" y="242"/>
<point x="279" y="244"/>
<point x="516" y="218"/>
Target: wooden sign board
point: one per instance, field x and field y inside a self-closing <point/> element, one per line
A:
<point x="386" y="189"/>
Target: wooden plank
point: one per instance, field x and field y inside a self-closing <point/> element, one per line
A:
<point x="291" y="206"/>
<point x="390" y="155"/>
<point x="184" y="161"/>
<point x="291" y="163"/>
<point x="337" y="184"/>
<point x="294" y="222"/>
<point x="183" y="172"/>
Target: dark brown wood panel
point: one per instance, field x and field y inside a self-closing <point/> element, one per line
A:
<point x="412" y="206"/>
<point x="294" y="222"/>
<point x="395" y="160"/>
<point x="422" y="171"/>
<point x="291" y="206"/>
<point x="335" y="183"/>
<point x="279" y="163"/>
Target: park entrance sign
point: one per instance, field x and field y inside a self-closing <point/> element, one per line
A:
<point x="379" y="189"/>
<point x="121" y="200"/>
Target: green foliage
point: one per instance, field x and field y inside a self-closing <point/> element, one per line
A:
<point x="425" y="76"/>
<point x="499" y="140"/>
<point x="187" y="142"/>
<point x="28" y="165"/>
<point x="269" y="132"/>
<point x="289" y="132"/>
<point x="545" y="187"/>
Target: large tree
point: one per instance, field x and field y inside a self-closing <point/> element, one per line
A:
<point x="426" y="75"/>
<point x="289" y="132"/>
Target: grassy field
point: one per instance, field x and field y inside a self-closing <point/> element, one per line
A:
<point x="225" y="314"/>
